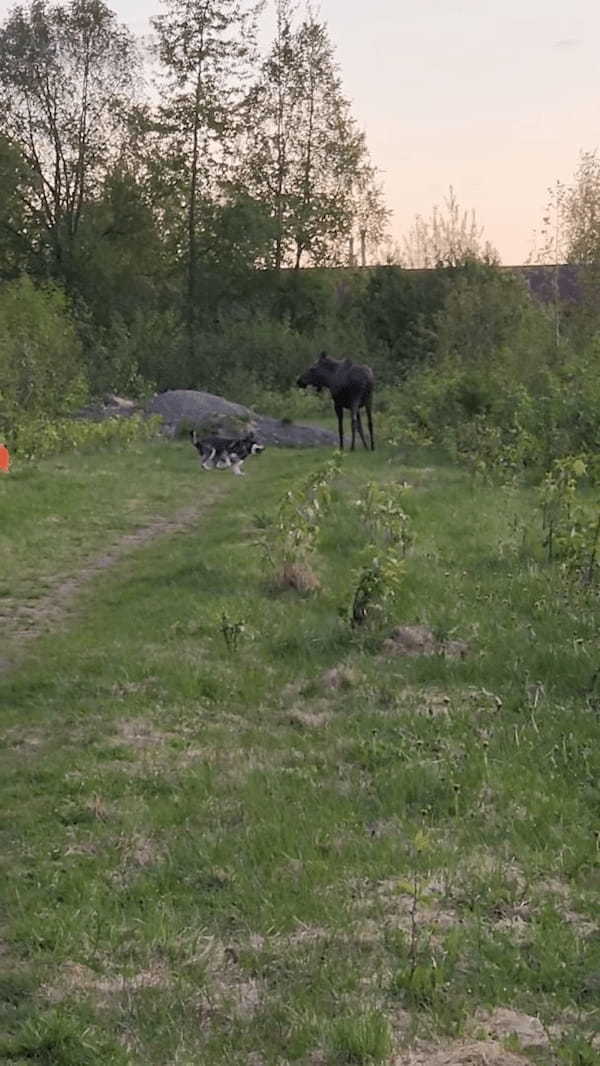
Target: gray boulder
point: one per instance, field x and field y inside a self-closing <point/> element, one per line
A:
<point x="186" y="407"/>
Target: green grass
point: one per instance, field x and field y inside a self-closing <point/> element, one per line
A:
<point x="216" y="858"/>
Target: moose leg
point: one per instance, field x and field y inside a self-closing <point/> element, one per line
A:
<point x="360" y="429"/>
<point x="354" y="414"/>
<point x="339" y="410"/>
<point x="370" y="422"/>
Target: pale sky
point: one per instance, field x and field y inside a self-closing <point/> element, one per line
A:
<point x="494" y="98"/>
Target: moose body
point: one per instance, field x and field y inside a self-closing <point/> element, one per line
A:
<point x="351" y="386"/>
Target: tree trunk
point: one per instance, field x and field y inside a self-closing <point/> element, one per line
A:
<point x="192" y="245"/>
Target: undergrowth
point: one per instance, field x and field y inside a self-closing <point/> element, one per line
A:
<point x="234" y="830"/>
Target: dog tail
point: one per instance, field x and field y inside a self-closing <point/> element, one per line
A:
<point x="193" y="435"/>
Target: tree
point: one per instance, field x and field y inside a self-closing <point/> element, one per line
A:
<point x="449" y="238"/>
<point x="550" y="248"/>
<point x="570" y="234"/>
<point x="274" y="101"/>
<point x="580" y="222"/>
<point x="205" y="47"/>
<point x="17" y="239"/>
<point x="65" y="74"/>
<point x="303" y="153"/>
<point x="580" y="212"/>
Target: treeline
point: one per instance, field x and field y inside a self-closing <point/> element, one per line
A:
<point x="153" y="211"/>
<point x="154" y="218"/>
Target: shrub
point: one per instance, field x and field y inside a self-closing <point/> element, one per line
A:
<point x="41" y="362"/>
<point x="292" y="405"/>
<point x="38" y="438"/>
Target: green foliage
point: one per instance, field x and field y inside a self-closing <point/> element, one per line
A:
<point x="381" y="512"/>
<point x="378" y="584"/>
<point x="66" y="73"/>
<point x="59" y="1038"/>
<point x="291" y="540"/>
<point x="37" y="438"/>
<point x="232" y="632"/>
<point x="571" y="526"/>
<point x="378" y="588"/>
<point x="41" y="364"/>
<point x="498" y="395"/>
<point x="485" y="311"/>
<point x="399" y="308"/>
<point x="241" y="352"/>
<point x="292" y="405"/>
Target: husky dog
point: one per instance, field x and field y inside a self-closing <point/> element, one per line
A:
<point x="224" y="453"/>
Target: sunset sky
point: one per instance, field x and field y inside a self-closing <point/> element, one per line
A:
<point x="495" y="99"/>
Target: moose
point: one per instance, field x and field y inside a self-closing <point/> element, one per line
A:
<point x="351" y="386"/>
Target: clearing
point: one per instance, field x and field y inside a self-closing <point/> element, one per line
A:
<point x="304" y="850"/>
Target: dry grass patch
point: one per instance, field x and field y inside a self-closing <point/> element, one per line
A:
<point x="300" y="577"/>
<point x="433" y="702"/>
<point x="75" y="980"/>
<point x="504" y="1024"/>
<point x="140" y="852"/>
<point x="309" y="719"/>
<point x="23" y="740"/>
<point x="395" y="903"/>
<point x="420" y="640"/>
<point x="461" y="1053"/>
<point x="140" y="734"/>
<point x="342" y="677"/>
<point x="149" y="686"/>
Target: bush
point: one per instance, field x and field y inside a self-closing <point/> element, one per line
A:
<point x="499" y="393"/>
<point x="240" y="355"/>
<point x="38" y="438"/>
<point x="293" y="405"/>
<point x="41" y="362"/>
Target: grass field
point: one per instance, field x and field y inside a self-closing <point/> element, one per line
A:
<point x="300" y="851"/>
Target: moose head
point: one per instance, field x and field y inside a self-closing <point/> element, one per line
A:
<point x="319" y="374"/>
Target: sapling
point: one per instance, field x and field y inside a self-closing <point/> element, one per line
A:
<point x="232" y="632"/>
<point x="289" y="542"/>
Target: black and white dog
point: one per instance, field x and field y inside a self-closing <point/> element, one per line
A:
<point x="225" y="453"/>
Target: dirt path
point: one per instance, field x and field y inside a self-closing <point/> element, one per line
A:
<point x="21" y="623"/>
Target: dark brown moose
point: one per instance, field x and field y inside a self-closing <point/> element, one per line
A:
<point x="351" y="386"/>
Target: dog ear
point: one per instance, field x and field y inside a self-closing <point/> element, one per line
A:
<point x="322" y="356"/>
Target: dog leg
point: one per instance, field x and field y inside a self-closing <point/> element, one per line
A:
<point x="208" y="462"/>
<point x="237" y="468"/>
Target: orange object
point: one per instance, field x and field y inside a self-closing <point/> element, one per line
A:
<point x="4" y="459"/>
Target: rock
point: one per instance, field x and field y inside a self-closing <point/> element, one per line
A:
<point x="188" y="406"/>
<point x="292" y="434"/>
<point x="214" y="414"/>
<point x="179" y="407"/>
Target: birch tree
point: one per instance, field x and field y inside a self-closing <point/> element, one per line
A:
<point x="448" y="238"/>
<point x="303" y="152"/>
<point x="205" y="48"/>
